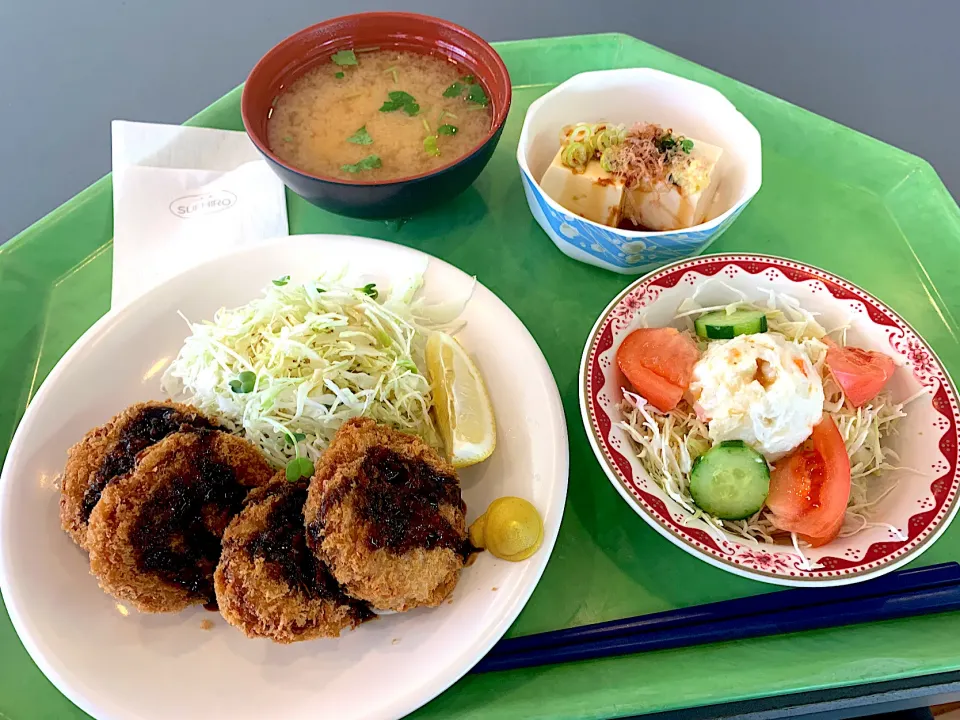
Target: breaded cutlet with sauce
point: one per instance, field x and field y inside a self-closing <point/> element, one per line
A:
<point x="110" y="451"/>
<point x="268" y="583"/>
<point x="154" y="537"/>
<point x="384" y="512"/>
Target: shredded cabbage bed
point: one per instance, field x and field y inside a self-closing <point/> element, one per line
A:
<point x="667" y="444"/>
<point x="312" y="355"/>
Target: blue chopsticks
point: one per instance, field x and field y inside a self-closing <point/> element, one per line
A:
<point x="900" y="594"/>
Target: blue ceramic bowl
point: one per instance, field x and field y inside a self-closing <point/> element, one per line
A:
<point x="629" y="96"/>
<point x="402" y="197"/>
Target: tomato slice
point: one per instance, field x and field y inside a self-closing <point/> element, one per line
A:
<point x="810" y="488"/>
<point x="658" y="363"/>
<point x="861" y="374"/>
<point x="826" y="537"/>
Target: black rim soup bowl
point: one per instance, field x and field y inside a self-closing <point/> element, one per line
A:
<point x="314" y="45"/>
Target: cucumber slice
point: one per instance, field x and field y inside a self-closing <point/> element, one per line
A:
<point x="719" y="325"/>
<point x="730" y="481"/>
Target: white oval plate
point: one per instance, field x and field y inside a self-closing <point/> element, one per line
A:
<point x="915" y="513"/>
<point x="121" y="666"/>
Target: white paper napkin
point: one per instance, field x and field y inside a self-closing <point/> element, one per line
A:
<point x="184" y="195"/>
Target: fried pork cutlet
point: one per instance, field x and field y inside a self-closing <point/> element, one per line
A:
<point x="111" y="450"/>
<point x="154" y="537"/>
<point x="268" y="582"/>
<point x="384" y="513"/>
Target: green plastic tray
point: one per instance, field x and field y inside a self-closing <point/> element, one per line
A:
<point x="831" y="197"/>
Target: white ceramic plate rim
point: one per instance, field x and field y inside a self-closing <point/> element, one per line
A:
<point x="746" y="196"/>
<point x="439" y="683"/>
<point x="656" y="524"/>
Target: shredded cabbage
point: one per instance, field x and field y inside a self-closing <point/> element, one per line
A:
<point x="667" y="444"/>
<point x="322" y="352"/>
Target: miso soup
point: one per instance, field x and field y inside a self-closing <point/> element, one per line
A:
<point x="379" y="115"/>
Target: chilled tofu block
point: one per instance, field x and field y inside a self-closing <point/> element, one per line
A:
<point x="593" y="194"/>
<point x="680" y="201"/>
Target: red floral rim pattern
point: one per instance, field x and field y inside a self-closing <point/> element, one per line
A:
<point x="767" y="560"/>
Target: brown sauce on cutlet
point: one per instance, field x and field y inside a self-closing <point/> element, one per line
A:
<point x="400" y="501"/>
<point x="283" y="545"/>
<point x="148" y="427"/>
<point x="179" y="528"/>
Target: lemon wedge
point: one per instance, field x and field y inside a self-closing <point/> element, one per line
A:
<point x="463" y="407"/>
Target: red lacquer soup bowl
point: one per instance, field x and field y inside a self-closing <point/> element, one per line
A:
<point x="410" y="32"/>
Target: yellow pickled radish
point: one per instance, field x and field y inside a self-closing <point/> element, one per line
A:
<point x="511" y="529"/>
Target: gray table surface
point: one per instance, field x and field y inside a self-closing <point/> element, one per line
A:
<point x="885" y="67"/>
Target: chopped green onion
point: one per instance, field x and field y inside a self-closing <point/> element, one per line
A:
<point x="608" y="136"/>
<point x="447" y="130"/>
<point x="426" y="125"/>
<point x="606" y="159"/>
<point x="370" y="289"/>
<point x="430" y="145"/>
<point x="339" y="75"/>
<point x="575" y="156"/>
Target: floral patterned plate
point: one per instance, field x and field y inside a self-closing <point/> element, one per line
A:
<point x="905" y="522"/>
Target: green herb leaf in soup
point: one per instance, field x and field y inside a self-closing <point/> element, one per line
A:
<point x="344" y="58"/>
<point x="430" y="145"/>
<point x="467" y="82"/>
<point x="477" y="95"/>
<point x="370" y="162"/>
<point x="339" y="75"/>
<point x="447" y="130"/>
<point x="454" y="90"/>
<point x="397" y="100"/>
<point x="360" y="137"/>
